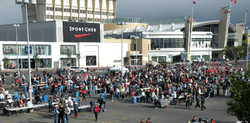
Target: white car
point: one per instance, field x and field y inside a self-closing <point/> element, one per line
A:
<point x="72" y="69"/>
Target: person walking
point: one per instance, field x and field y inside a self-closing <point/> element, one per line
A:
<point x="50" y="104"/>
<point x="56" y="112"/>
<point x="92" y="104"/>
<point x="198" y="98"/>
<point x="96" y="112"/>
<point x="203" y="103"/>
<point x="67" y="112"/>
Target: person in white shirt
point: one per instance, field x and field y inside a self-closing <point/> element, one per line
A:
<point x="174" y="96"/>
<point x="155" y="101"/>
<point x="67" y="112"/>
<point x="143" y="96"/>
<point x="2" y="97"/>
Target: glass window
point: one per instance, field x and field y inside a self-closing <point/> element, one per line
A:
<point x="165" y="43"/>
<point x="174" y="43"/>
<point x="65" y="62"/>
<point x="162" y="59"/>
<point x="170" y="43"/>
<point x="178" y="44"/>
<point x="154" y="58"/>
<point x="90" y="60"/>
<point x="161" y="43"/>
<point x="40" y="49"/>
<point x="9" y="49"/>
<point x="157" y="43"/>
<point x="67" y="49"/>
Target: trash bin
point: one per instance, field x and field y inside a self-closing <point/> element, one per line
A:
<point x="75" y="100"/>
<point x="25" y="88"/>
<point x="15" y="96"/>
<point x="62" y="87"/>
<point x="44" y="98"/>
<point x="103" y="96"/>
<point x="34" y="90"/>
<point x="76" y="93"/>
<point x="134" y="99"/>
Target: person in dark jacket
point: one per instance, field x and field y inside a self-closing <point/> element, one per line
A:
<point x="92" y="104"/>
<point x="197" y="101"/>
<point x="50" y="104"/>
<point x="61" y="114"/>
<point x="203" y="103"/>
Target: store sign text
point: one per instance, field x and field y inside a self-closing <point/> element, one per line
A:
<point x="81" y="29"/>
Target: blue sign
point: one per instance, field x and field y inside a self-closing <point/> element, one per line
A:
<point x="26" y="50"/>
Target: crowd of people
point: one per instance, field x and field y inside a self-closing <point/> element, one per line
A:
<point x="191" y="83"/>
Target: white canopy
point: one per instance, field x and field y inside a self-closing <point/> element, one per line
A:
<point x="118" y="68"/>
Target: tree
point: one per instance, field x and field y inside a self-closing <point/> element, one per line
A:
<point x="36" y="58"/>
<point x="5" y="61"/>
<point x="78" y="55"/>
<point x="69" y="57"/>
<point x="240" y="88"/>
<point x="235" y="53"/>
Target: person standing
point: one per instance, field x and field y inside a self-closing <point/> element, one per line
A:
<point x="76" y="109"/>
<point x="67" y="113"/>
<point x="92" y="104"/>
<point x="96" y="112"/>
<point x="218" y="89"/>
<point x="56" y="112"/>
<point x="50" y="104"/>
<point x="188" y="102"/>
<point x="61" y="114"/>
<point x="112" y="94"/>
<point x="203" y="103"/>
<point x="174" y="96"/>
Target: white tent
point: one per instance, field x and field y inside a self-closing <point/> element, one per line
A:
<point x="118" y="68"/>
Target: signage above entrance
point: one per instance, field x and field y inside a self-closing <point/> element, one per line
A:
<point x="81" y="32"/>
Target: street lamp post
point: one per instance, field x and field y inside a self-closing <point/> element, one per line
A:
<point x="247" y="50"/>
<point x="26" y="2"/>
<point x="122" y="23"/>
<point x="136" y="37"/>
<point x="209" y="46"/>
<point x="16" y="26"/>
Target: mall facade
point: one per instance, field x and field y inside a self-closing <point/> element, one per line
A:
<point x="182" y="38"/>
<point x="58" y="44"/>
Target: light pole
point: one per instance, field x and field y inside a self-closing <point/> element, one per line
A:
<point x="16" y="26"/>
<point x="247" y="49"/>
<point x="209" y="46"/>
<point x="26" y="2"/>
<point x="136" y="37"/>
<point x="122" y="23"/>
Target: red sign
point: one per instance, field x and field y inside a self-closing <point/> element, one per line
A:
<point x="82" y="35"/>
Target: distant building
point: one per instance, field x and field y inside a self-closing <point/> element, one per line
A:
<point x="181" y="38"/>
<point x="93" y="11"/>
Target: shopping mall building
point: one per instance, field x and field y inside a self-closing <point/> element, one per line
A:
<point x="62" y="43"/>
<point x="182" y="38"/>
<point x="57" y="44"/>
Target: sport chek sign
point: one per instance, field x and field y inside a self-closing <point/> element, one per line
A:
<point x="81" y="32"/>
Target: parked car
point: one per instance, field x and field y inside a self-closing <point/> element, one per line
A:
<point x="77" y="69"/>
<point x="224" y="63"/>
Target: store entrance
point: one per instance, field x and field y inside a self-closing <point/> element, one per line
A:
<point x="26" y="63"/>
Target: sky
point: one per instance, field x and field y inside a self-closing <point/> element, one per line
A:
<point x="204" y="10"/>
